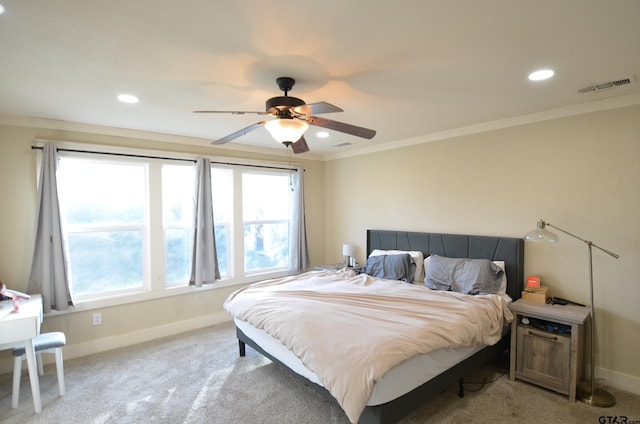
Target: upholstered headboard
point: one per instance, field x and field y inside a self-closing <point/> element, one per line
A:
<point x="507" y="249"/>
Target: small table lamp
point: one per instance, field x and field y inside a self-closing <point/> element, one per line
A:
<point x="348" y="254"/>
<point x="589" y="395"/>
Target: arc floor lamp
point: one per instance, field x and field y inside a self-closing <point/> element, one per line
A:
<point x="587" y="394"/>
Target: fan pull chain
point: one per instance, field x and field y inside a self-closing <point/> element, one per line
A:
<point x="289" y="148"/>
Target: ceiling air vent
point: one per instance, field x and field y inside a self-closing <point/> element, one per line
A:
<point x="604" y="85"/>
<point x="342" y="145"/>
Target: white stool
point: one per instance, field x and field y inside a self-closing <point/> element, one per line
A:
<point x="43" y="343"/>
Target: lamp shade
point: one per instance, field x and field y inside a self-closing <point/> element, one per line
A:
<point x="348" y="250"/>
<point x="286" y="130"/>
<point x="541" y="234"/>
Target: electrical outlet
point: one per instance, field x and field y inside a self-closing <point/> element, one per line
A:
<point x="96" y="319"/>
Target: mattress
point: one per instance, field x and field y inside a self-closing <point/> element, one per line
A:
<point x="396" y="382"/>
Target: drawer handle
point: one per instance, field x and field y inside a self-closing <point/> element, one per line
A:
<point x="554" y="338"/>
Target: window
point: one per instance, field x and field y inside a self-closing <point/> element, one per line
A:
<point x="177" y="216"/>
<point x="222" y="190"/>
<point x="105" y="213"/>
<point x="265" y="217"/>
<point x="128" y="224"/>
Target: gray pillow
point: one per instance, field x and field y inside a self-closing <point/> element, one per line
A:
<point x="463" y="275"/>
<point x="391" y="267"/>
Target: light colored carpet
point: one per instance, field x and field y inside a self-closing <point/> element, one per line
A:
<point x="199" y="378"/>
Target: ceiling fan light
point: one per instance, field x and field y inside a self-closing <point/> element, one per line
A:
<point x="286" y="130"/>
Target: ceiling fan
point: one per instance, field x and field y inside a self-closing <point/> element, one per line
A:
<point x="292" y="118"/>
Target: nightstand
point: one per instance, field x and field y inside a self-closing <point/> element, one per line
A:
<point x="547" y="345"/>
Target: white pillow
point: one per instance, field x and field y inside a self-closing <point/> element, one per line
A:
<point x="418" y="258"/>
<point x="502" y="291"/>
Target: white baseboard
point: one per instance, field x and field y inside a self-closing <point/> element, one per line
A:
<point x="626" y="382"/>
<point x="114" y="342"/>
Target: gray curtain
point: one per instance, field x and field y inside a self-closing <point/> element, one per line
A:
<point x="49" y="275"/>
<point x="298" y="249"/>
<point x="204" y="260"/>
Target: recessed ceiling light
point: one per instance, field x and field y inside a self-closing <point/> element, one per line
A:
<point x="128" y="98"/>
<point x="322" y="134"/>
<point x="540" y="75"/>
<point x="1" y="9"/>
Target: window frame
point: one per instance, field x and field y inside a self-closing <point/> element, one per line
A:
<point x="142" y="226"/>
<point x="153" y="241"/>
<point x="171" y="226"/>
<point x="245" y="222"/>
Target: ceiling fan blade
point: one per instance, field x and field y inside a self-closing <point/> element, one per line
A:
<point x="313" y="108"/>
<point x="341" y="126"/>
<point x="233" y="112"/>
<point x="239" y="133"/>
<point x="300" y="146"/>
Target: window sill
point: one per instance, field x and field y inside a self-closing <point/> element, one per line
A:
<point x="123" y="299"/>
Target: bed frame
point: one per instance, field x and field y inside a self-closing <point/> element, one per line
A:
<point x="509" y="250"/>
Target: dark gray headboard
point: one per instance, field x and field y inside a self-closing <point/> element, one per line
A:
<point x="507" y="249"/>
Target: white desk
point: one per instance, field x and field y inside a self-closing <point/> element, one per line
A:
<point x="18" y="330"/>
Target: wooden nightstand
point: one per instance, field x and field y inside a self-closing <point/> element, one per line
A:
<point x="547" y="345"/>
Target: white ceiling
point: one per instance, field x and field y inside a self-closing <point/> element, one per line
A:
<point x="405" y="68"/>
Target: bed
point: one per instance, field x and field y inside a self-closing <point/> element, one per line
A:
<point x="405" y="386"/>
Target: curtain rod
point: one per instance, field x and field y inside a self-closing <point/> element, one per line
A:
<point x="164" y="158"/>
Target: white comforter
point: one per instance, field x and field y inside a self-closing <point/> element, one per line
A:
<point x="351" y="329"/>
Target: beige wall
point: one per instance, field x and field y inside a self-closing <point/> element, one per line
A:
<point x="581" y="173"/>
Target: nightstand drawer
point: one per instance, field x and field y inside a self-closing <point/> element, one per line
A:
<point x="543" y="358"/>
